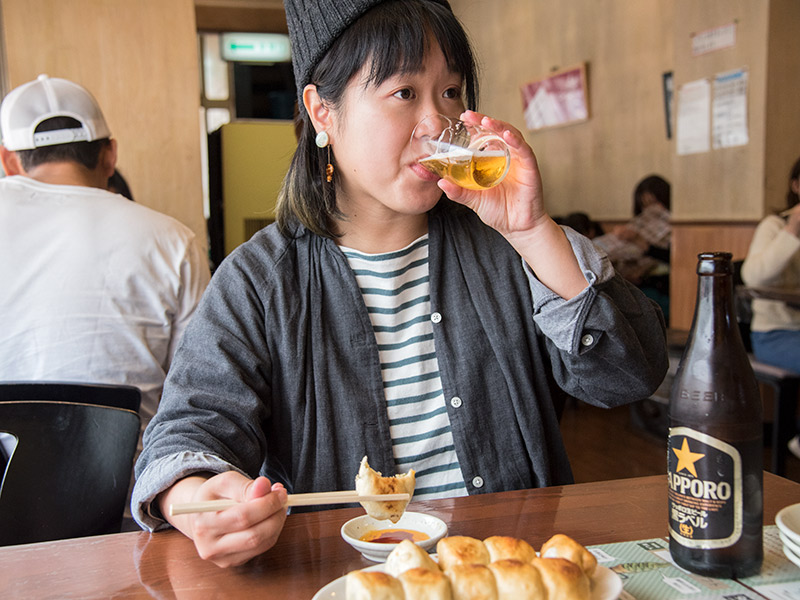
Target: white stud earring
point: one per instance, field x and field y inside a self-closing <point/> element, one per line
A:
<point x="322" y="139"/>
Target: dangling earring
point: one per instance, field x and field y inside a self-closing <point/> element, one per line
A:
<point x="322" y="141"/>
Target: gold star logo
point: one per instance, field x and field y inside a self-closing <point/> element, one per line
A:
<point x="687" y="458"/>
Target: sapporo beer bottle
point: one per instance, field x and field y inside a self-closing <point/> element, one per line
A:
<point x="714" y="455"/>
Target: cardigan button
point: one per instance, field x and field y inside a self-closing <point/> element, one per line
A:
<point x="477" y="482"/>
<point x="436" y="317"/>
<point x="587" y="340"/>
<point x="456" y="402"/>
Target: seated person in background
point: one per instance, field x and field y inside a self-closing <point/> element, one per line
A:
<point x="94" y="288"/>
<point x="387" y="312"/>
<point x="583" y="224"/>
<point x="640" y="249"/>
<point x="773" y="260"/>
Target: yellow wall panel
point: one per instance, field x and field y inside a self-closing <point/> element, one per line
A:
<point x="255" y="158"/>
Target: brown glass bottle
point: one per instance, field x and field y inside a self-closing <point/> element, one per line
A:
<point x="714" y="455"/>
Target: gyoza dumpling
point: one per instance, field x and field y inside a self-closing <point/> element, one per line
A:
<point x="407" y="555"/>
<point x="370" y="482"/>
<point x="501" y="546"/>
<point x="372" y="585"/>
<point x="461" y="550"/>
<point x="472" y="582"/>
<point x="424" y="584"/>
<point x="563" y="579"/>
<point x="517" y="580"/>
<point x="563" y="546"/>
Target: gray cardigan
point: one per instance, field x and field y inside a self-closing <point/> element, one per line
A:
<point x="278" y="372"/>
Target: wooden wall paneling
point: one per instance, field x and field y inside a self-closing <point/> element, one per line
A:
<point x="783" y="88"/>
<point x="140" y="61"/>
<point x="689" y="240"/>
<point x="591" y="166"/>
<point x="726" y="183"/>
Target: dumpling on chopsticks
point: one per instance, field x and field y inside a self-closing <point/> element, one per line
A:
<point x="369" y="482"/>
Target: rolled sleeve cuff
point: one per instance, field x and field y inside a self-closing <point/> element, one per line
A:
<point x="562" y="320"/>
<point x="161" y="475"/>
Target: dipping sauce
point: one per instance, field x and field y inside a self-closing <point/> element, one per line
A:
<point x="393" y="536"/>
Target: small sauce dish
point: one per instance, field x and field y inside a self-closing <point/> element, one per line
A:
<point x="424" y="530"/>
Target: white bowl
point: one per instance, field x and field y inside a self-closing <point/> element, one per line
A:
<point x="355" y="529"/>
<point x="788" y="521"/>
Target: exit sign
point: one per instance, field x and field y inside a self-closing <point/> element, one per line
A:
<point x="255" y="47"/>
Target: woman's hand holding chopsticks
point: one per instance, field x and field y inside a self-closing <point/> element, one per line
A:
<point x="230" y="537"/>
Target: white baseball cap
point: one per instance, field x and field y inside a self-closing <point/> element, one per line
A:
<point x="31" y="103"/>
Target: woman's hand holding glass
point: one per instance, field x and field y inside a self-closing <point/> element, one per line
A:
<point x="515" y="204"/>
<point x="232" y="536"/>
<point x="515" y="208"/>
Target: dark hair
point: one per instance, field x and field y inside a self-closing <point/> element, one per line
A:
<point x="791" y="196"/>
<point x="583" y="224"/>
<point x="118" y="185"/>
<point x="656" y="185"/>
<point x="393" y="37"/>
<point x="84" y="153"/>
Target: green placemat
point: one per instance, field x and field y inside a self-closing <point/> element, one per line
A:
<point x="648" y="573"/>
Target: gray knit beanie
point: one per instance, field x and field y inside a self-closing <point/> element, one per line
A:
<point x="313" y="27"/>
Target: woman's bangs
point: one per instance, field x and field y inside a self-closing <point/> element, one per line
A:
<point x="398" y="36"/>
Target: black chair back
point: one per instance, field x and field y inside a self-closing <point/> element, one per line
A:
<point x="100" y="394"/>
<point x="69" y="473"/>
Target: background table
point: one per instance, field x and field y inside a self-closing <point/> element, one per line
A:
<point x="310" y="552"/>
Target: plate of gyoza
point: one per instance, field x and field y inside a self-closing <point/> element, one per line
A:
<point x="498" y="567"/>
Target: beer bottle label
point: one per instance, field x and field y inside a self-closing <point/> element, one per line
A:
<point x="705" y="490"/>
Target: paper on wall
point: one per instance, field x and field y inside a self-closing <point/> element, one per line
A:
<point x="694" y="117"/>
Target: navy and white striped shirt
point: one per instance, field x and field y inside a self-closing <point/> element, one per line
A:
<point x="396" y="291"/>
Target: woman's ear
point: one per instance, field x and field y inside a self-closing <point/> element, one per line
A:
<point x="317" y="110"/>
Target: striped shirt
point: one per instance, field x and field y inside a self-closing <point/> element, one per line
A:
<point x="396" y="291"/>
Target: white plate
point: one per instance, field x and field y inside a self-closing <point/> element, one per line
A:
<point x="788" y="521"/>
<point x="606" y="585"/>
<point x="786" y="551"/>
<point x="789" y="543"/>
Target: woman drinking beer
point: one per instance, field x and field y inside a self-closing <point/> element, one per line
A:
<point x="387" y="312"/>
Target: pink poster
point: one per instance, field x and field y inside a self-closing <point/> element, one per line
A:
<point x="558" y="99"/>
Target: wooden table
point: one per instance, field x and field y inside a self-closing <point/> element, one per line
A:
<point x="311" y="553"/>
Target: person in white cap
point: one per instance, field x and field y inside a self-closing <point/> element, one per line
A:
<point x="95" y="288"/>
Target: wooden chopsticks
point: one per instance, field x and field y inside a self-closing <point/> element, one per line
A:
<point x="311" y="499"/>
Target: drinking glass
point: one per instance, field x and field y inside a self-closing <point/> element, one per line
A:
<point x="468" y="155"/>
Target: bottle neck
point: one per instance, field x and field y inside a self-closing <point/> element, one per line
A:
<point x="714" y="310"/>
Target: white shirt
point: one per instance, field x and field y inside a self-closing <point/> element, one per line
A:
<point x="93" y="287"/>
